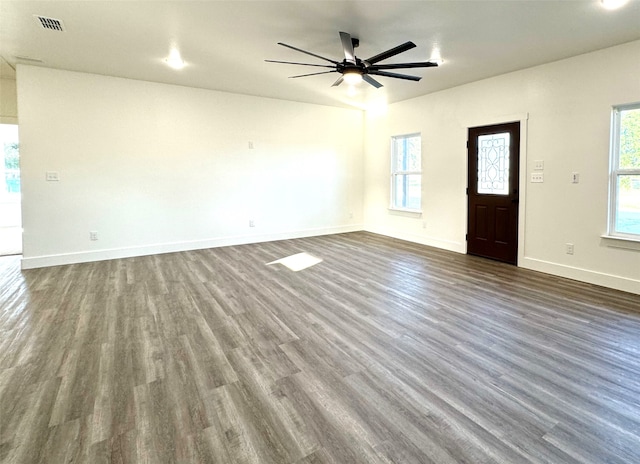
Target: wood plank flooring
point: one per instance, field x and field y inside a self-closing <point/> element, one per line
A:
<point x="385" y="352"/>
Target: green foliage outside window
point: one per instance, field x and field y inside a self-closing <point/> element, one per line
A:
<point x="11" y="156"/>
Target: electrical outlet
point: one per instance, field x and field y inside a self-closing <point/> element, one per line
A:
<point x="93" y="235"/>
<point x="250" y="145"/>
<point x="538" y="165"/>
<point x="537" y="177"/>
<point x="252" y="223"/>
<point x="569" y="248"/>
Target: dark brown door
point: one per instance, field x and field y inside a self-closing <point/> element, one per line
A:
<point x="492" y="227"/>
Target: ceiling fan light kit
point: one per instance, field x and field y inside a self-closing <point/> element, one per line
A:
<point x="353" y="69"/>
<point x="613" y="4"/>
<point x="352" y="77"/>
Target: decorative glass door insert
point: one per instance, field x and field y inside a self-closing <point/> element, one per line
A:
<point x="493" y="164"/>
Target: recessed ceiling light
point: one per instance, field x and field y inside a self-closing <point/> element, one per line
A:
<point x="175" y="60"/>
<point x="613" y="4"/>
<point x="436" y="57"/>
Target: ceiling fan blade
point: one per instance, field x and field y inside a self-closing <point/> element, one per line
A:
<point x="312" y="74"/>
<point x="302" y="64"/>
<point x="397" y="76"/>
<point x="392" y="52"/>
<point x="347" y="46"/>
<point x="423" y="64"/>
<point x="370" y="80"/>
<point x="338" y="82"/>
<point x="308" y="53"/>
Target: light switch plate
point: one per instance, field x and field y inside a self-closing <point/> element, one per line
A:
<point x="538" y="165"/>
<point x="52" y="176"/>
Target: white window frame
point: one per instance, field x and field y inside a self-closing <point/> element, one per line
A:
<point x="394" y="173"/>
<point x="615" y="171"/>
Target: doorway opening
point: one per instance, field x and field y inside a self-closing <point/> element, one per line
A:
<point x="10" y="196"/>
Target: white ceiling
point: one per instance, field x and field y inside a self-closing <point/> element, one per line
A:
<point x="225" y="43"/>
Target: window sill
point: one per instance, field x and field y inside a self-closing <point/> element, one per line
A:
<point x="406" y="212"/>
<point x="621" y="242"/>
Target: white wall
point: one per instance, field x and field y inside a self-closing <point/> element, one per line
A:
<point x="155" y="168"/>
<point x="566" y="109"/>
<point x="8" y="101"/>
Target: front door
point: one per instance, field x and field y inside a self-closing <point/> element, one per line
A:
<point x="492" y="226"/>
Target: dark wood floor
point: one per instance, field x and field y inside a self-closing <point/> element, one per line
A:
<point x="386" y="352"/>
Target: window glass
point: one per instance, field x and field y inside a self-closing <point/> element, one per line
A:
<point x="406" y="172"/>
<point x="627" y="207"/>
<point x="624" y="213"/>
<point x="493" y="164"/>
<point x="630" y="139"/>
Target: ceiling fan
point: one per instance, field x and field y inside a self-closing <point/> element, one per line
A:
<point x="353" y="69"/>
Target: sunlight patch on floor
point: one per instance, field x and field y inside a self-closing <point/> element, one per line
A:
<point x="297" y="262"/>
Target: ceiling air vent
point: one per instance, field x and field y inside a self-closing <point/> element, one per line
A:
<point x="50" y="24"/>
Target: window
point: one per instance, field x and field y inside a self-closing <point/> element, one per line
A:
<point x="9" y="162"/>
<point x="624" y="184"/>
<point x="406" y="172"/>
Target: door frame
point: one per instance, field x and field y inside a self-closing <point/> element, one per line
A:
<point x="523" y="118"/>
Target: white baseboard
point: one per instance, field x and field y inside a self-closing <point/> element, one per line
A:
<point x="584" y="275"/>
<point x="421" y="239"/>
<point x="33" y="262"/>
<point x="593" y="277"/>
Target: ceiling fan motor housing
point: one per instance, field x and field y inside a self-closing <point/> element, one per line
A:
<point x="349" y="67"/>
